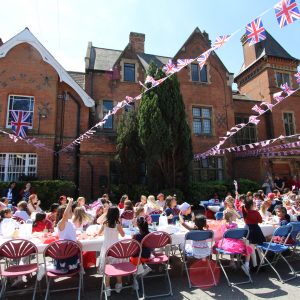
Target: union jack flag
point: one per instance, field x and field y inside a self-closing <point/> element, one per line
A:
<point x="255" y="32"/>
<point x="278" y="97"/>
<point x="253" y="120"/>
<point x="285" y="87"/>
<point x="181" y="63"/>
<point x="170" y="68"/>
<point x="150" y="79"/>
<point x="297" y="75"/>
<point x="286" y="12"/>
<point x="220" y="41"/>
<point x="258" y="109"/>
<point x="203" y="58"/>
<point x="21" y="122"/>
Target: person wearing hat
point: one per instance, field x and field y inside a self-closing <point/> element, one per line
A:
<point x="186" y="212"/>
<point x="161" y="200"/>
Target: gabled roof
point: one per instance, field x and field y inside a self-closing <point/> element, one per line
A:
<point x="268" y="47"/>
<point x="26" y="36"/>
<point x="145" y="60"/>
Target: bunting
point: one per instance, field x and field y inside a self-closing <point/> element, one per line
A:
<point x="286" y="12"/>
<point x="255" y="32"/>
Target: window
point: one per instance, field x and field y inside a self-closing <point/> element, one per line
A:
<point x="289" y="125"/>
<point x="107" y="106"/>
<point x="282" y="78"/>
<point x="129" y="72"/>
<point x="247" y="135"/>
<point x="211" y="168"/>
<point x="202" y="121"/>
<point x="197" y="74"/>
<point x="15" y="165"/>
<point x="19" y="103"/>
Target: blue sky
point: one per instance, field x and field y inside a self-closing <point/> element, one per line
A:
<point x="66" y="26"/>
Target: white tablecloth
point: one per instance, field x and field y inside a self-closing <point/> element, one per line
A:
<point x="95" y="243"/>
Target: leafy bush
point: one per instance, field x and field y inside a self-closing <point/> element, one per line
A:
<point x="201" y="191"/>
<point x="48" y="191"/>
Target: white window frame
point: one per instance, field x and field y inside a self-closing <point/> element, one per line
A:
<point x="8" y="110"/>
<point x="7" y="175"/>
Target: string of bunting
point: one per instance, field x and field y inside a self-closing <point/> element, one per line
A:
<point x="278" y="98"/>
<point x="286" y="12"/>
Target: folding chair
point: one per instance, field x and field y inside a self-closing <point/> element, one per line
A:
<point x="295" y="235"/>
<point x="121" y="250"/>
<point x="219" y="215"/>
<point x="276" y="249"/>
<point x="237" y="234"/>
<point x="62" y="250"/>
<point x="198" y="235"/>
<point x="18" y="254"/>
<point x="158" y="240"/>
<point x="155" y="218"/>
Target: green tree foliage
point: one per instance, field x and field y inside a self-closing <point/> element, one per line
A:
<point x="129" y="148"/>
<point x="164" y="131"/>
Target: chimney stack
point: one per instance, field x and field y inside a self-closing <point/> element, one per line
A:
<point x="137" y="42"/>
<point x="249" y="51"/>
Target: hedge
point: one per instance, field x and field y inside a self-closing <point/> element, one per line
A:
<point x="48" y="191"/>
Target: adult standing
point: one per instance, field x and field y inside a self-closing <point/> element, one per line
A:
<point x="267" y="185"/>
<point x="26" y="192"/>
<point x="11" y="193"/>
<point x="279" y="183"/>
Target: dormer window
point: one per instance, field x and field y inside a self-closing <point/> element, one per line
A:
<point x="129" y="72"/>
<point x="198" y="75"/>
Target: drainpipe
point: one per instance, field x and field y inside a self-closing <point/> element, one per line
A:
<point x="92" y="180"/>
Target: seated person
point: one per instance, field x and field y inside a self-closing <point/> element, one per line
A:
<point x="171" y="209"/>
<point x="214" y="204"/>
<point x="22" y="212"/>
<point x="41" y="224"/>
<point x="127" y="215"/>
<point x="186" y="212"/>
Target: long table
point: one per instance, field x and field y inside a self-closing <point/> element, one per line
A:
<point x="90" y="243"/>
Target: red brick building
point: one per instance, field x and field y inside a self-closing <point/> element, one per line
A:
<point x="62" y="109"/>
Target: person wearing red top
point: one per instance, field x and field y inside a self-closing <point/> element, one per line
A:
<point x="239" y="201"/>
<point x="252" y="218"/>
<point x="122" y="200"/>
<point x="41" y="223"/>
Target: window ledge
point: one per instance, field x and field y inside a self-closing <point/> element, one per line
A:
<point x="200" y="82"/>
<point x="203" y="135"/>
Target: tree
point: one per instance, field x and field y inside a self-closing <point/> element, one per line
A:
<point x="129" y="148"/>
<point x="164" y="132"/>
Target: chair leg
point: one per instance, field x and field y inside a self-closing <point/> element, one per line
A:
<point x="3" y="288"/>
<point x="82" y="284"/>
<point x="223" y="270"/>
<point x="169" y="280"/>
<point x="187" y="273"/>
<point x="212" y="273"/>
<point x="79" y="286"/>
<point x="48" y="287"/>
<point x="35" y="288"/>
<point x="143" y="288"/>
<point x="290" y="267"/>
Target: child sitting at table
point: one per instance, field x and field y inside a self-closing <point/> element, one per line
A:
<point x="23" y="211"/>
<point x="111" y="229"/>
<point x="140" y="212"/>
<point x="171" y="208"/>
<point x="127" y="215"/>
<point x="142" y="225"/>
<point x="51" y="215"/>
<point x="186" y="212"/>
<point x="282" y="215"/>
<point x="41" y="224"/>
<point x="234" y="245"/>
<point x="229" y="206"/>
<point x="6" y="218"/>
<point x="198" y="249"/>
<point x="80" y="218"/>
<point x="151" y="207"/>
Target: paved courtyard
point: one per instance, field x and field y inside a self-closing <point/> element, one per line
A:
<point x="265" y="286"/>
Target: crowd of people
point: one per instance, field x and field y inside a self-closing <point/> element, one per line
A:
<point x="67" y="216"/>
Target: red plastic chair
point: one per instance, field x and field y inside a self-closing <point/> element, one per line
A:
<point x="63" y="249"/>
<point x="158" y="240"/>
<point x="121" y="250"/>
<point x="17" y="254"/>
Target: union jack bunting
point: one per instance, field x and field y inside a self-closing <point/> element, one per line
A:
<point x="253" y="120"/>
<point x="21" y="122"/>
<point x="203" y="58"/>
<point x="150" y="79"/>
<point x="286" y="12"/>
<point x="181" y="63"/>
<point x="268" y="105"/>
<point x="278" y="97"/>
<point x="170" y="68"/>
<point x="255" y="32"/>
<point x="258" y="109"/>
<point x="220" y="41"/>
<point x="297" y="75"/>
<point x="285" y="87"/>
